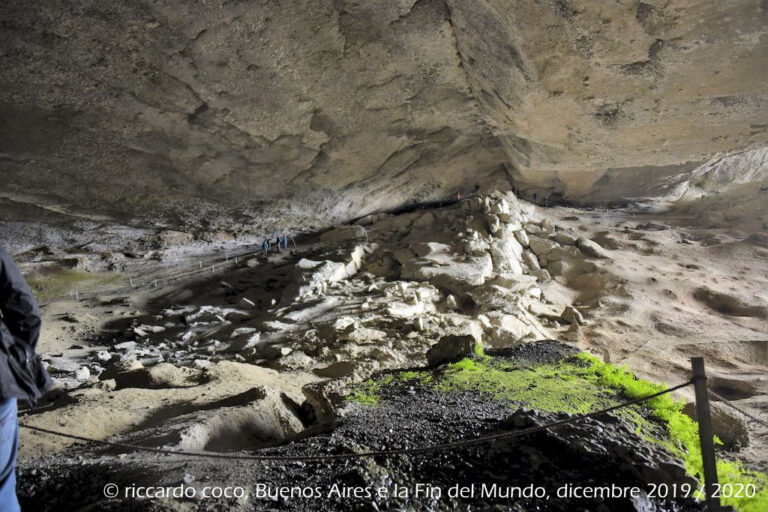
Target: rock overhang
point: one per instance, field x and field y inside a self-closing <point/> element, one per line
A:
<point x="312" y="112"/>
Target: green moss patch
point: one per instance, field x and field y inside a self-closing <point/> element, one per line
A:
<point x="368" y="392"/>
<point x="580" y="385"/>
<point x="684" y="434"/>
<point x="49" y="285"/>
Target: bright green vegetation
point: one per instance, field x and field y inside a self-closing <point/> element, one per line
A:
<point x="368" y="392"/>
<point x="423" y="378"/>
<point x="683" y="433"/>
<point x="49" y="285"/>
<point x="579" y="385"/>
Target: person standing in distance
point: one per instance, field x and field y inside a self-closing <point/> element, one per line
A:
<point x="22" y="376"/>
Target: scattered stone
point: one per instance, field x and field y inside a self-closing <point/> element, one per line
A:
<point x="533" y="229"/>
<point x="572" y="315"/>
<point x="548" y="311"/>
<point x="592" y="249"/>
<point x="572" y="333"/>
<point x="402" y="310"/>
<point x="506" y="256"/>
<point x="558" y="268"/>
<point x="63" y="365"/>
<point x="202" y="364"/>
<point x="451" y="348"/>
<point x="358" y="334"/>
<point x="128" y="362"/>
<point x="107" y="385"/>
<point x="475" y="247"/>
<point x="522" y="237"/>
<point x="455" y="277"/>
<point x="155" y="329"/>
<point x="531" y="260"/>
<point x="426" y="249"/>
<point x="83" y="374"/>
<point x="509" y="324"/>
<point x="564" y="253"/>
<point x="494" y="224"/>
<point x="541" y="275"/>
<point x="564" y="238"/>
<point x="484" y="322"/>
<point x="489" y="295"/>
<point x="542" y="246"/>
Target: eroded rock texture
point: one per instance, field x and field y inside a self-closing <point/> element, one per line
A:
<point x="304" y="112"/>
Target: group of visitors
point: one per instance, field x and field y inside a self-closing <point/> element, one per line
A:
<point x="280" y="241"/>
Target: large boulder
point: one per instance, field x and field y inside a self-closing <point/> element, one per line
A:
<point x="591" y="248"/>
<point x="564" y="253"/>
<point x="564" y="238"/>
<point x="541" y="247"/>
<point x="451" y="348"/>
<point x="494" y="223"/>
<point x="531" y="261"/>
<point x="510" y="324"/>
<point x="454" y="275"/>
<point x="507" y="255"/>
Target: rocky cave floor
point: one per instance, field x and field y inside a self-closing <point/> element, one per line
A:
<point x="258" y="353"/>
<point x="409" y="415"/>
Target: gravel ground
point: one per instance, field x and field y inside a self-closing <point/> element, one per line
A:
<point x="591" y="453"/>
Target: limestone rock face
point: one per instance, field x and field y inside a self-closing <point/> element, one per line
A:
<point x="300" y="113"/>
<point x="302" y="107"/>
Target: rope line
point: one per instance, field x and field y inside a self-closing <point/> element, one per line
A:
<point x="372" y="453"/>
<point x="182" y="272"/>
<point x="727" y="402"/>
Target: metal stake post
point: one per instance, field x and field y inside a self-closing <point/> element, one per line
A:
<point x="705" y="434"/>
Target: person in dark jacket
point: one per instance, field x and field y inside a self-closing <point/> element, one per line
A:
<point x="22" y="376"/>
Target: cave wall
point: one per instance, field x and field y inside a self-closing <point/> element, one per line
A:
<point x="591" y="87"/>
<point x="315" y="111"/>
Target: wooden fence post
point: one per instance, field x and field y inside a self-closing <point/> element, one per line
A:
<point x="706" y="436"/>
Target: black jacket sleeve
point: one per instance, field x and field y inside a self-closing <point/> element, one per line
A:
<point x="18" y="306"/>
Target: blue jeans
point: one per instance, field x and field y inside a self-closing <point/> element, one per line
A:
<point x="9" y="445"/>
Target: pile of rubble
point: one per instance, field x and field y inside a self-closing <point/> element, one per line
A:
<point x="365" y="297"/>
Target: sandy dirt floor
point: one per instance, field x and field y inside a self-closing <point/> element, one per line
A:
<point x="666" y="291"/>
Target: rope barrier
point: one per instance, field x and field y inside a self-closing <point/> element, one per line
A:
<point x="222" y="263"/>
<point x="373" y="453"/>
<point x="727" y="402"/>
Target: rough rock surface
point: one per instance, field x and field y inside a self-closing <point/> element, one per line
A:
<point x="604" y="450"/>
<point x="450" y="349"/>
<point x="300" y="113"/>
